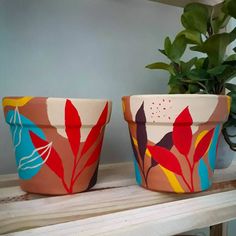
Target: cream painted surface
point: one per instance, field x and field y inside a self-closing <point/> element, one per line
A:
<point x="165" y="109"/>
<point x="156" y="132"/>
<point x="89" y="112"/>
<point x="162" y="110"/>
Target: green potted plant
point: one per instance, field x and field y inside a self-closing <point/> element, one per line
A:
<point x="204" y="28"/>
<point x="175" y="136"/>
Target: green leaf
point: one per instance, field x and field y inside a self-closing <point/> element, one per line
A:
<point x="219" y="18"/>
<point x="200" y="62"/>
<point x="177" y="49"/>
<point x="215" y="47"/>
<point x="217" y="70"/>
<point x="195" y="17"/>
<point x="230" y="87"/>
<point x="186" y="66"/>
<point x="230" y="8"/>
<point x="175" y="80"/>
<point x="220" y="22"/>
<point x="229" y="73"/>
<point x="231" y="58"/>
<point x="198" y="75"/>
<point x="233" y="101"/>
<point x="193" y="37"/>
<point x="163" y="52"/>
<point x="167" y="45"/>
<point x="177" y="90"/>
<point x="230" y="63"/>
<point x="193" y="88"/>
<point x="158" y="65"/>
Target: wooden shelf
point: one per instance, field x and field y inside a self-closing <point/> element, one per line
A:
<point x="182" y="3"/>
<point x="116" y="206"/>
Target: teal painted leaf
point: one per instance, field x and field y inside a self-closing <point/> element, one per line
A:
<point x="28" y="160"/>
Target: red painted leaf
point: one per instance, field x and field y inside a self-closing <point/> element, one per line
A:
<point x="165" y="158"/>
<point x="95" y="155"/>
<point x="73" y="125"/>
<point x="182" y="133"/>
<point x="203" y="146"/>
<point x="53" y="160"/>
<point x="95" y="131"/>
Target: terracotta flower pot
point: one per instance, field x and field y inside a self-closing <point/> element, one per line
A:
<point x="174" y="139"/>
<point x="57" y="141"/>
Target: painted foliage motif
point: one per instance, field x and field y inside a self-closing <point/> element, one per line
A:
<point x="182" y="161"/>
<point x="37" y="146"/>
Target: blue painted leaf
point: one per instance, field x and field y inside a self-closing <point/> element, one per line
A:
<point x="28" y="160"/>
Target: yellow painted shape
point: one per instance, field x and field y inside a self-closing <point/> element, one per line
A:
<point x="136" y="144"/>
<point x="15" y="102"/>
<point x="169" y="174"/>
<point x="123" y="106"/>
<point x="135" y="141"/>
<point x="148" y="153"/>
<point x="228" y="103"/>
<point x="200" y="136"/>
<point x="172" y="180"/>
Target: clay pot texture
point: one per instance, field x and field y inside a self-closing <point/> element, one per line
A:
<point x="174" y="139"/>
<point x="57" y="141"/>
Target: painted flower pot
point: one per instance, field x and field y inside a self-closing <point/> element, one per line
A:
<point x="57" y="141"/>
<point x="174" y="139"/>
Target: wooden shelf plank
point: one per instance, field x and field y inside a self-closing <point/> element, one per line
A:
<point x="163" y="219"/>
<point x="182" y="3"/>
<point x="116" y="191"/>
<point x="8" y="180"/>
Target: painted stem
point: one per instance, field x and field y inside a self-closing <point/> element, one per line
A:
<point x="73" y="174"/>
<point x="77" y="176"/>
<point x="186" y="182"/>
<point x="65" y="186"/>
<point x="191" y="168"/>
<point x="147" y="175"/>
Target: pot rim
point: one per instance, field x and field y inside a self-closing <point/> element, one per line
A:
<point x="175" y="96"/>
<point x="61" y="98"/>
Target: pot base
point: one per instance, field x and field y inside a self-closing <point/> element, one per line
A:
<point x="168" y="191"/>
<point x="51" y="192"/>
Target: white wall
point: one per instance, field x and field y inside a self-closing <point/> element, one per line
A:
<point x="82" y="48"/>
